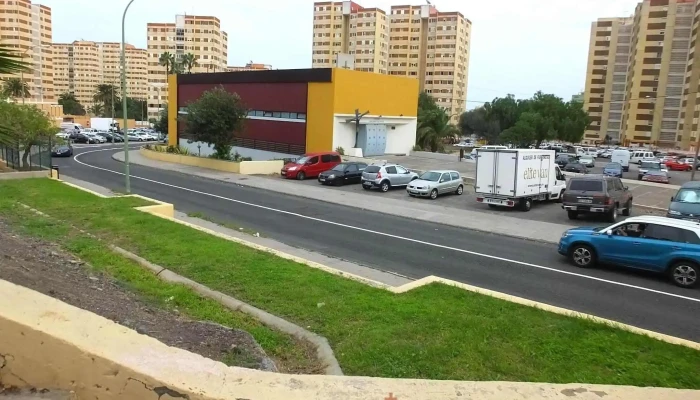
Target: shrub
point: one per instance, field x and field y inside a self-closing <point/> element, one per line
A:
<point x="417" y="148"/>
<point x="340" y="150"/>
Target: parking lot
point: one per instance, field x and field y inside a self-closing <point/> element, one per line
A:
<point x="546" y="212"/>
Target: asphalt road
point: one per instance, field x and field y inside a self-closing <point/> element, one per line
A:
<point x="413" y="248"/>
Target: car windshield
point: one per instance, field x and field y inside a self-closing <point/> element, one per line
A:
<point x="430" y="176"/>
<point x="688" y="196"/>
<point x="613" y="166"/>
<point x="586" y="186"/>
<point x="656" y="173"/>
<point x="339" y="167"/>
<point x="302" y="160"/>
<point x="650" y="165"/>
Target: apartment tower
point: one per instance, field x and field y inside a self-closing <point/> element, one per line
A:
<point x="688" y="137"/>
<point x="433" y="47"/>
<point x="345" y="28"/>
<point x="658" y="76"/>
<point x="83" y="65"/>
<point x="198" y="35"/>
<point x="27" y="28"/>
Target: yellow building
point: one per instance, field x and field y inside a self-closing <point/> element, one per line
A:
<point x="293" y="112"/>
<point x="83" y="65"/>
<point x="27" y="27"/>
<point x="198" y="35"/>
<point x="639" y="75"/>
<point x="413" y="41"/>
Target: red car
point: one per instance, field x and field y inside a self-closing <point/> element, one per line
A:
<point x="311" y="165"/>
<point x="678" y="165"/>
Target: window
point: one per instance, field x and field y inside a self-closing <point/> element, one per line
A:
<point x="586" y="186"/>
<point x="691" y="237"/>
<point x="326" y="158"/>
<point x="352" y="168"/>
<point x="391" y="170"/>
<point x="401" y="170"/>
<point x="313" y="160"/>
<point x="445" y="178"/>
<point x="455" y="176"/>
<point x="335" y="158"/>
<point x="618" y="184"/>
<point x="662" y="232"/>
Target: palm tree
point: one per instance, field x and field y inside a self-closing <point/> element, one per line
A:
<point x="168" y="61"/>
<point x="10" y="63"/>
<point x="106" y="95"/>
<point x="188" y="62"/>
<point x="96" y="109"/>
<point x="433" y="128"/>
<point x="15" y="87"/>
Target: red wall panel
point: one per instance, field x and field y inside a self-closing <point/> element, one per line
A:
<point x="275" y="131"/>
<point x="289" y="97"/>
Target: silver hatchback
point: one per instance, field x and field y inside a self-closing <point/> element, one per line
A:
<point x="386" y="176"/>
<point x="434" y="183"/>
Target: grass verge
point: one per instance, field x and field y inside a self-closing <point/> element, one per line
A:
<point x="434" y="332"/>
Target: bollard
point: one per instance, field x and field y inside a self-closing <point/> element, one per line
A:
<point x="58" y="173"/>
<point x="461" y="154"/>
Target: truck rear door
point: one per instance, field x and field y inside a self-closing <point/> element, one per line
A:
<point x="486" y="162"/>
<point x="506" y="163"/>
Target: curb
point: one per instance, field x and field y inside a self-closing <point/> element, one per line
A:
<point x="323" y="349"/>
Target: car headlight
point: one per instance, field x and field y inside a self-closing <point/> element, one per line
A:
<point x="331" y="176"/>
<point x="565" y="234"/>
<point x="292" y="168"/>
<point x="673" y="212"/>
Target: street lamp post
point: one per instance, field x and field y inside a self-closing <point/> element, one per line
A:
<point x="124" y="127"/>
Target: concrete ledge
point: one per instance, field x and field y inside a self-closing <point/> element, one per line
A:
<point x="24" y="175"/>
<point x="47" y="343"/>
<point x="243" y="167"/>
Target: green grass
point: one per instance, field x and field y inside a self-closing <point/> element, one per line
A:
<point x="228" y="225"/>
<point x="434" y="332"/>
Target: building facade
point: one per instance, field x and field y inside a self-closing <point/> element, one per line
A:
<point x="293" y="112"/>
<point x="198" y="35"/>
<point x="83" y="65"/>
<point x="640" y="73"/>
<point x="347" y="29"/>
<point x="27" y="28"/>
<point x="413" y="41"/>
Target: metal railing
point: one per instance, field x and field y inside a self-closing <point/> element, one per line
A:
<point x="19" y="158"/>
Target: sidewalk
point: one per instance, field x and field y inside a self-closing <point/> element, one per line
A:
<point x="430" y="212"/>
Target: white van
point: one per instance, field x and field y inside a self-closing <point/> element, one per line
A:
<point x="621" y="157"/>
<point x="586" y="151"/>
<point x="70" y="126"/>
<point x="642" y="155"/>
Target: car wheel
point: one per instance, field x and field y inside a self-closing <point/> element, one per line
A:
<point x="582" y="256"/>
<point x="384" y="186"/>
<point x="460" y="190"/>
<point x="639" y="177"/>
<point x="628" y="209"/>
<point x="434" y="194"/>
<point x="612" y="215"/>
<point x="684" y="274"/>
<point x="526" y="205"/>
<point x="573" y="214"/>
<point x="301" y="176"/>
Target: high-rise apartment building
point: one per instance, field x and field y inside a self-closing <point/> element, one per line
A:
<point x="688" y="137"/>
<point x="413" y="41"/>
<point x="198" y="35"/>
<point x="346" y="28"/>
<point x="639" y="75"/>
<point x="83" y="65"/>
<point x="27" y="28"/>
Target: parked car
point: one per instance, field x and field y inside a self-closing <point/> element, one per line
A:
<point x="386" y="176"/>
<point x="111" y="137"/>
<point x="642" y="155"/>
<point x="434" y="183"/>
<point x="63" y="150"/>
<point x="95" y="137"/>
<point x="78" y="137"/>
<point x="134" y="137"/>
<point x="686" y="203"/>
<point x="663" y="245"/>
<point x="345" y="172"/>
<point x="647" y="166"/>
<point x="588" y="161"/>
<point x="613" y="169"/>
<point x="576" y="167"/>
<point x="678" y="165"/>
<point x="63" y="135"/>
<point x="597" y="194"/>
<point x="310" y="165"/>
<point x="659" y="176"/>
<point x="605" y="153"/>
<point x="564" y="159"/>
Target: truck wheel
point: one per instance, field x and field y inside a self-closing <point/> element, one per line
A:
<point x="526" y="204"/>
<point x="573" y="214"/>
<point x="628" y="209"/>
<point x="612" y="215"/>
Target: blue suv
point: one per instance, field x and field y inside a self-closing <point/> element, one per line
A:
<point x="658" y="244"/>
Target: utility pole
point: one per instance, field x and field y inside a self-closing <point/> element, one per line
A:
<point x="695" y="160"/>
<point x="127" y="178"/>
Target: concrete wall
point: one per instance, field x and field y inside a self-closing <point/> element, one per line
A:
<point x="399" y="140"/>
<point x="245" y="167"/>
<point x="255" y="154"/>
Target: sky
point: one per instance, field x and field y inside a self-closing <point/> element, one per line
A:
<point x="518" y="46"/>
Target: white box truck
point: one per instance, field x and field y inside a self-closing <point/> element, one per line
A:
<point x="517" y="177"/>
<point x="104" y="124"/>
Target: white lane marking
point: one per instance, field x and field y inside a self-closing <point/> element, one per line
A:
<point x="390" y="235"/>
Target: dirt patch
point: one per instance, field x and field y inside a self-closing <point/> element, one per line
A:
<point x="44" y="267"/>
<point x="4" y="168"/>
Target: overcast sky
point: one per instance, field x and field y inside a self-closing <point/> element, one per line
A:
<point x="518" y="46"/>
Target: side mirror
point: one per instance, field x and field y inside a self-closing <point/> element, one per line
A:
<point x="626" y="188"/>
<point x="672" y="199"/>
<point x="609" y="232"/>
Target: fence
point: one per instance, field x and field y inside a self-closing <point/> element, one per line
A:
<point x="38" y="158"/>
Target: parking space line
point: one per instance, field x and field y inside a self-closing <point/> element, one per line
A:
<point x="338" y="224"/>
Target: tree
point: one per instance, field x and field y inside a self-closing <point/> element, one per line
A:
<point x="474" y="122"/>
<point x="171" y="65"/>
<point x="525" y="131"/>
<point x="215" y="118"/>
<point x="106" y="95"/>
<point x="96" y="109"/>
<point x="188" y="62"/>
<point x="27" y="125"/>
<point x="15" y="87"/>
<point x="434" y="129"/>
<point x="161" y="124"/>
<point x="10" y="63"/>
<point x="134" y="108"/>
<point x="70" y="104"/>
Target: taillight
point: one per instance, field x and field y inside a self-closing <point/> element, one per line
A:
<point x="379" y="175"/>
<point x="609" y="201"/>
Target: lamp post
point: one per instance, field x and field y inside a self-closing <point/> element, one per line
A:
<point x="127" y="182"/>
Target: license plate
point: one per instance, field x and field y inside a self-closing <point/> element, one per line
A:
<point x="283" y="173"/>
<point x="495" y="201"/>
<point x="584" y="201"/>
<point x="321" y="179"/>
<point x="412" y="192"/>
